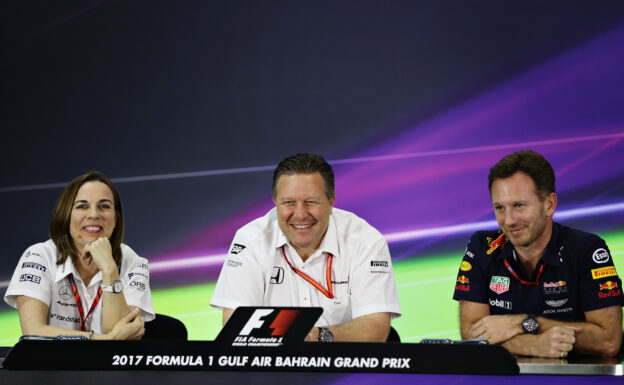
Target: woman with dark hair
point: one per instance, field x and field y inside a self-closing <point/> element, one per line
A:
<point x="83" y="281"/>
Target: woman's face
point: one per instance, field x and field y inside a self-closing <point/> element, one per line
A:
<point x="93" y="214"/>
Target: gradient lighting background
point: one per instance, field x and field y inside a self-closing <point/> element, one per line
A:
<point x="418" y="173"/>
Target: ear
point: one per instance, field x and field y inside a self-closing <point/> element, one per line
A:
<point x="331" y="203"/>
<point x="550" y="203"/>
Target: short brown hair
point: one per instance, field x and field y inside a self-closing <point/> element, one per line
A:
<point x="530" y="163"/>
<point x="304" y="163"/>
<point x="61" y="218"/>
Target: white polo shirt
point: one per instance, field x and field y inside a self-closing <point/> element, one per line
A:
<point x="255" y="272"/>
<point x="38" y="276"/>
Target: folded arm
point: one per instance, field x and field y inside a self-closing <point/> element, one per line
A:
<point x="600" y="334"/>
<point x="33" y="315"/>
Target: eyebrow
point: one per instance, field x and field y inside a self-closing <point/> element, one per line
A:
<point x="101" y="200"/>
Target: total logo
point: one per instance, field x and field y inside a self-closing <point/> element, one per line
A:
<point x="500" y="303"/>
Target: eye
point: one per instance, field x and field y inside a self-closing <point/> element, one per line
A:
<point x="105" y="206"/>
<point x="520" y="205"/>
<point x="81" y="206"/>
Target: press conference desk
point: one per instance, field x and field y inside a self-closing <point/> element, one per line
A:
<point x="202" y="362"/>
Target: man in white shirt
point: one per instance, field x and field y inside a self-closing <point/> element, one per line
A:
<point x="305" y="252"/>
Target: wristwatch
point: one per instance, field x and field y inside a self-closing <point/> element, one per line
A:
<point x="115" y="287"/>
<point x="530" y="324"/>
<point x="325" y="335"/>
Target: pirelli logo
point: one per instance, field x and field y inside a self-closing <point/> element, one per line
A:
<point x="379" y="263"/>
<point x="603" y="272"/>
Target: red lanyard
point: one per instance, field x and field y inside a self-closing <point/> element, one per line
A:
<point x="329" y="292"/>
<point x="522" y="281"/>
<point x="83" y="319"/>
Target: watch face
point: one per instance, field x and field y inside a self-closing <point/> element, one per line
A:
<point x="530" y="325"/>
<point x="117" y="286"/>
<point x="325" y="335"/>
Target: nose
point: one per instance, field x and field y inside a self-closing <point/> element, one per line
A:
<point x="509" y="218"/>
<point x="300" y="211"/>
<point x="93" y="212"/>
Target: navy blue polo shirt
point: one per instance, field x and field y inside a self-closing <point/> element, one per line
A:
<point x="576" y="274"/>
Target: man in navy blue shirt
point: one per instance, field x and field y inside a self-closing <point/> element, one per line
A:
<point x="536" y="287"/>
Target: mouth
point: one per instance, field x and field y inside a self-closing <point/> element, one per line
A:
<point x="515" y="232"/>
<point x="302" y="227"/>
<point x="92" y="229"/>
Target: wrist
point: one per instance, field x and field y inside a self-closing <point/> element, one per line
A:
<point x="109" y="275"/>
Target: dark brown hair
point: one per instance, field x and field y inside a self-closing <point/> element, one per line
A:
<point x="304" y="163"/>
<point x="61" y="218"/>
<point x="530" y="163"/>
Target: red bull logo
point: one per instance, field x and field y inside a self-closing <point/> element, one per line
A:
<point x="463" y="279"/>
<point x="609" y="285"/>
<point x="496" y="243"/>
<point x="555" y="284"/>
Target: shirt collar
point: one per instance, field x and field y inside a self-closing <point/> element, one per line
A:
<point x="550" y="256"/>
<point x="329" y="244"/>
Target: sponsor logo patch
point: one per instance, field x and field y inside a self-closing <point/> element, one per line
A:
<point x="494" y="244"/>
<point x="600" y="256"/>
<point x="66" y="304"/>
<point x="236" y="248"/>
<point x="465" y="266"/>
<point x="30" y="278"/>
<point x="552" y="288"/>
<point x="130" y="275"/>
<point x="608" y="285"/>
<point x="603" y="272"/>
<point x="463" y="279"/>
<point x="499" y="285"/>
<point x="500" y="303"/>
<point x="232" y="263"/>
<point x="33" y="265"/>
<point x="468" y="253"/>
<point x="138" y="285"/>
<point x="461" y="287"/>
<point x="278" y="275"/>
<point x="612" y="290"/>
<point x="557" y="303"/>
<point x="379" y="264"/>
<point x="65" y="292"/>
<point x="144" y="266"/>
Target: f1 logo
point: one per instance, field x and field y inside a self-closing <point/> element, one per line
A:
<point x="280" y="324"/>
<point x="254" y="321"/>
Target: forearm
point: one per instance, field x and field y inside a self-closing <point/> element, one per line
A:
<point x="368" y="328"/>
<point x="523" y="345"/>
<point x="54" y="331"/>
<point x="114" y="305"/>
<point x="593" y="338"/>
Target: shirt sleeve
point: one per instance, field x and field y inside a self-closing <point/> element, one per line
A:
<point x="136" y="282"/>
<point x="600" y="284"/>
<point x="241" y="281"/>
<point x="32" y="278"/>
<point x="373" y="288"/>
<point x="471" y="283"/>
